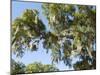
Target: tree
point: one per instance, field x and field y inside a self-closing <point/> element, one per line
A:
<point x="75" y="27"/>
<point x="37" y="67"/>
<point x="86" y="63"/>
<point x="17" y="67"/>
<point x="72" y="33"/>
<point x="20" y="68"/>
<point x="27" y="30"/>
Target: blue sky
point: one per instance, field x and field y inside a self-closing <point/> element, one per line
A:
<point x="40" y="55"/>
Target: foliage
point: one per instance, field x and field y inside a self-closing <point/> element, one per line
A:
<point x="25" y="30"/>
<point x="17" y="67"/>
<point x="72" y="33"/>
<point x="38" y="67"/>
<point x="75" y="27"/>
<point x="20" y="68"/>
<point x="86" y="63"/>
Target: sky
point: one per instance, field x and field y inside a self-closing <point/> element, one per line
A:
<point x="40" y="55"/>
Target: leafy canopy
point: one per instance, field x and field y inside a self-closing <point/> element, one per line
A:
<point x="36" y="67"/>
<point x="72" y="32"/>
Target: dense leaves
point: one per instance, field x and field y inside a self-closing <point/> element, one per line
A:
<point x="36" y="67"/>
<point x="72" y="33"/>
<point x="86" y="63"/>
<point x="75" y="27"/>
<point x="26" y="32"/>
<point x="17" y="67"/>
